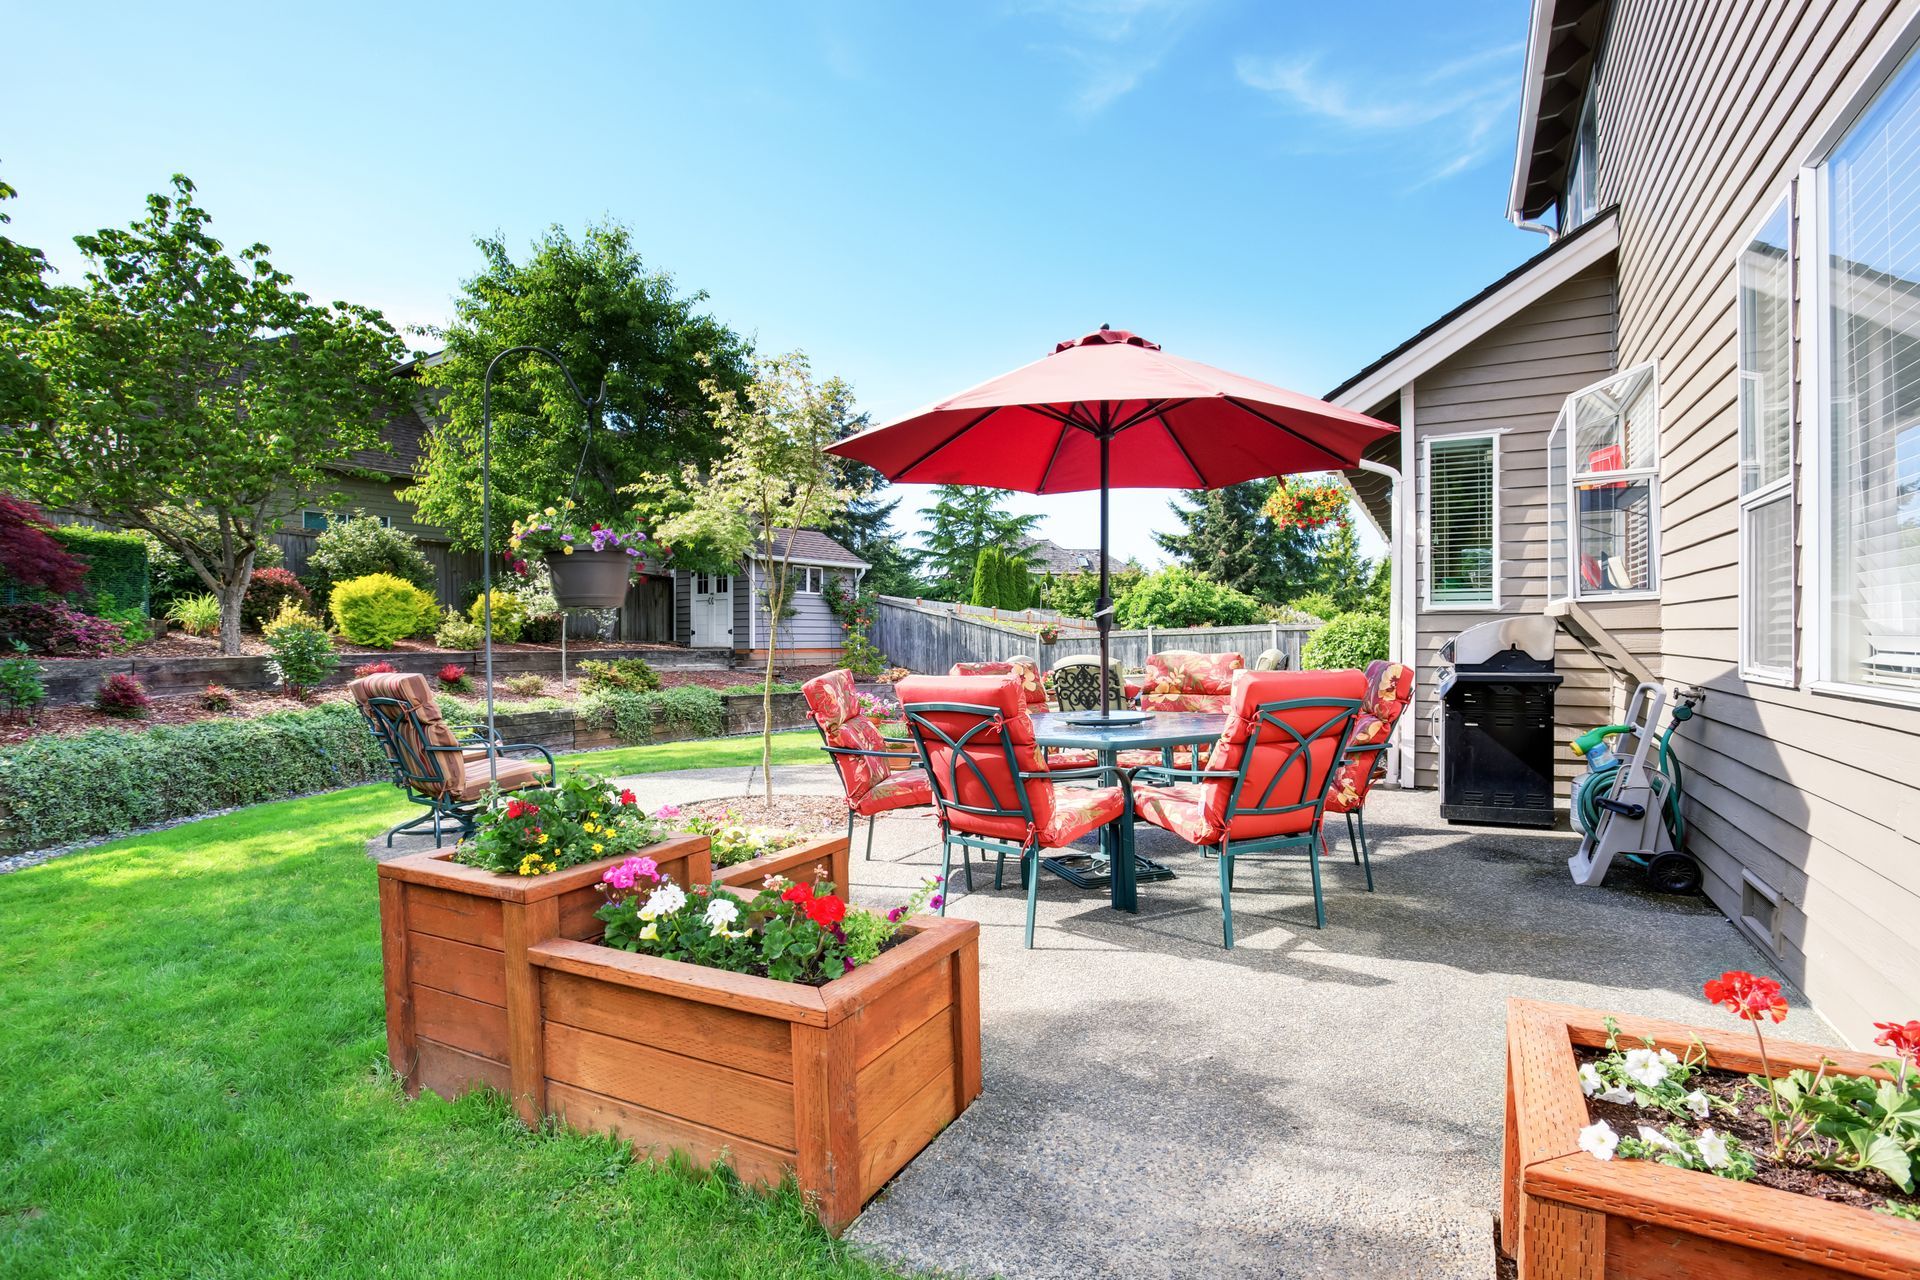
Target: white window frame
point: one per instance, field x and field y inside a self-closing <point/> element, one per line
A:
<point x="1786" y="487"/>
<point x="1815" y="428"/>
<point x="329" y="517"/>
<point x="1426" y="526"/>
<point x="813" y="580"/>
<point x="1561" y="437"/>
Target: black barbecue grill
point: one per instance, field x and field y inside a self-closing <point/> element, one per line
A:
<point x="1496" y="686"/>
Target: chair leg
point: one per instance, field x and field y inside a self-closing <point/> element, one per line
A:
<point x="1366" y="854"/>
<point x="946" y="871"/>
<point x="870" y="818"/>
<point x="1353" y="840"/>
<point x="849" y="828"/>
<point x="999" y="871"/>
<point x="1226" y="897"/>
<point x="1319" y="903"/>
<point x="1030" y="865"/>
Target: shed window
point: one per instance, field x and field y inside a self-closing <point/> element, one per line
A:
<point x="1604" y="488"/>
<point x="1766" y="452"/>
<point x="1462" y="543"/>
<point x="1871" y="462"/>
<point x="318" y="521"/>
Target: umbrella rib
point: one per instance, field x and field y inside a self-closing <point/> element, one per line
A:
<point x="1199" y="481"/>
<point x="1059" y="443"/>
<point x="1338" y="461"/>
<point x="944" y="443"/>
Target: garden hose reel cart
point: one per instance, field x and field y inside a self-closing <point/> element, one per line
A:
<point x="1628" y="803"/>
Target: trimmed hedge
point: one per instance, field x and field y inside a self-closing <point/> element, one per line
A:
<point x="116" y="567"/>
<point x="1350" y="640"/>
<point x="632" y="716"/>
<point x="57" y="790"/>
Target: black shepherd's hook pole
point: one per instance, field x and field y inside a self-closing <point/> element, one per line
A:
<point x="486" y="514"/>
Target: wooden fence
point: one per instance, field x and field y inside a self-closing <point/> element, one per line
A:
<point x="930" y="637"/>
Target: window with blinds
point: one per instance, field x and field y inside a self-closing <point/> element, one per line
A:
<point x="1462" y="546"/>
<point x="1765" y="273"/>
<point x="1604" y="488"/>
<point x="1872" y="462"/>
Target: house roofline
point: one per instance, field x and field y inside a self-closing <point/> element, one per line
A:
<point x="1539" y="275"/>
<point x="1536" y="62"/>
<point x="830" y="564"/>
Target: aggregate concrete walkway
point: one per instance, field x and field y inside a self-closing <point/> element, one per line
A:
<point x="1315" y="1103"/>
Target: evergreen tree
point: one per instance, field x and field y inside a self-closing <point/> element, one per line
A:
<point x="1016" y="584"/>
<point x="1225" y="537"/>
<point x="1345" y="574"/>
<point x="962" y="521"/>
<point x="985" y="592"/>
<point x="865" y="525"/>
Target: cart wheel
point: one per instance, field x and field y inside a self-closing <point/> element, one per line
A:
<point x="1673" y="873"/>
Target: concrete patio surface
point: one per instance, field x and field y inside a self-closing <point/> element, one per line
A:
<point x="1313" y="1103"/>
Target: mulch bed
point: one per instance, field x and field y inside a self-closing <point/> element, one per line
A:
<point x="175" y="644"/>
<point x="1866" y="1190"/>
<point x="788" y="813"/>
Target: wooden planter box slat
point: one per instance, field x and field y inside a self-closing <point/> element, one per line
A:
<point x="491" y="982"/>
<point x="1566" y="1214"/>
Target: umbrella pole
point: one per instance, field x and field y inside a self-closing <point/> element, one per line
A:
<point x="1104" y="607"/>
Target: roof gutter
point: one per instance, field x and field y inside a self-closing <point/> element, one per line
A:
<point x="1536" y="65"/>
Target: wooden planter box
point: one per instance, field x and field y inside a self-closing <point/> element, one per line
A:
<point x="823" y="855"/>
<point x="460" y="993"/>
<point x="1565" y="1214"/>
<point x="841" y="1084"/>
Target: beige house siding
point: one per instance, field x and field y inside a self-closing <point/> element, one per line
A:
<point x="1705" y="114"/>
<point x="1513" y="379"/>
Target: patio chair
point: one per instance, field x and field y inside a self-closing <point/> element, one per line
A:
<point x="1183" y="680"/>
<point x="439" y="765"/>
<point x="1020" y="666"/>
<point x="1389" y="685"/>
<point x="1264" y="788"/>
<point x="991" y="782"/>
<point x="862" y="756"/>
<point x="1272" y="660"/>
<point x="1076" y="687"/>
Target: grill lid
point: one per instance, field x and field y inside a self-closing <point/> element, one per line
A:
<point x="1532" y="635"/>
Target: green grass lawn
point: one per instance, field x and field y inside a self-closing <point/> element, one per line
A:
<point x="192" y="1082"/>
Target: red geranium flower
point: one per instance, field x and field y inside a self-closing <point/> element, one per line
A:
<point x="1747" y="995"/>
<point x="1901" y="1037"/>
<point x="521" y="809"/>
<point x="826" y="911"/>
<point x="801" y="893"/>
<point x="627" y="797"/>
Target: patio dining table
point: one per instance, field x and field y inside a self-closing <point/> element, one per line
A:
<point x="1163" y="730"/>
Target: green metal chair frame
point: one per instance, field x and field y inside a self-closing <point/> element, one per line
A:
<point x="1116" y="686"/>
<point x="1028" y="853"/>
<point x="1357" y="818"/>
<point x="832" y="750"/>
<point x="1342" y="714"/>
<point x="421" y="777"/>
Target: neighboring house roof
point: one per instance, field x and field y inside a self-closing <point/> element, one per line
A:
<point x="1563" y="47"/>
<point x="405" y="436"/>
<point x="1044" y="555"/>
<point x="808" y="546"/>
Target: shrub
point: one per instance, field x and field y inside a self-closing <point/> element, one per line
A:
<point x="1350" y="640"/>
<point x="1178" y="597"/>
<point x="509" y="615"/>
<point x="778" y="686"/>
<point x="455" y="632"/>
<point x="58" y="628"/>
<point x="378" y="609"/>
<point x="1317" y="604"/>
<point x="303" y="655"/>
<point x="267" y="592"/>
<point x="633" y="675"/>
<point x="633" y="716"/>
<point x="455" y="678"/>
<point x="122" y="695"/>
<point x="543" y="628"/>
<point x="30" y="553"/>
<point x="540" y="829"/>
<point x="379" y="668"/>
<point x="360" y="545"/>
<point x="57" y="789"/>
<point x="216" y="697"/>
<point x="118" y="572"/>
<point x="196" y="615"/>
<point x="526" y="686"/>
<point x="21" y="687"/>
<point x="133" y="624"/>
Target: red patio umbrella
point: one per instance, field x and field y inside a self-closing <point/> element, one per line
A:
<point x="1112" y="410"/>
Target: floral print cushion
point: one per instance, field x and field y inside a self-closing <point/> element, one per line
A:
<point x="1071" y="758"/>
<point x="1213" y="702"/>
<point x="1025" y="670"/>
<point x="1389" y="685"/>
<point x="835" y="707"/>
<point x="900" y="790"/>
<point x="1180" y="808"/>
<point x="1078" y="810"/>
<point x="1184" y="671"/>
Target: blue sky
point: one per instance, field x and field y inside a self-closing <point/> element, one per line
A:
<point x="919" y="196"/>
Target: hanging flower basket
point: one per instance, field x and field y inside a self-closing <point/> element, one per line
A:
<point x="590" y="579"/>
<point x="1306" y="504"/>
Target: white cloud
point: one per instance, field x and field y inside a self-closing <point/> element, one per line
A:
<point x="1115" y="45"/>
<point x="1451" y="110"/>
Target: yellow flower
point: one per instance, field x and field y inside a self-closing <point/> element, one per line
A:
<point x="650" y="933"/>
<point x="594" y="814"/>
<point x="552" y="512"/>
<point x="544" y="837"/>
<point x="598" y="848"/>
<point x="567" y="550"/>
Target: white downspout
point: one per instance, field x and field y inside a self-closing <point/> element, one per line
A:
<point x="1401" y="635"/>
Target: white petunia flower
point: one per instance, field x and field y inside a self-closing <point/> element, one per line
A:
<point x="1713" y="1149"/>
<point x="1644" y="1067"/>
<point x="721" y="912"/>
<point x="664" y="901"/>
<point x="1698" y="1104"/>
<point x="1656" y="1139"/>
<point x="1590" y="1081"/>
<point x="1598" y="1140"/>
<point x="1622" y="1095"/>
<point x="1667" y="1056"/>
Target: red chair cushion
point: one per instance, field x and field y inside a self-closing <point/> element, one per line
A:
<point x="1071" y="758"/>
<point x="989" y="782"/>
<point x="902" y="790"/>
<point x="834" y="705"/>
<point x="1389" y="685"/>
<point x="1025" y="670"/>
<point x="1276" y="775"/>
<point x="1079" y="810"/>
<point x="1180" y="808"/>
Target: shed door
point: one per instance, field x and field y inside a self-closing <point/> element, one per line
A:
<point x="712" y="611"/>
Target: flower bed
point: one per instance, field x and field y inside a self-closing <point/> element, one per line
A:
<point x="1566" y="1213"/>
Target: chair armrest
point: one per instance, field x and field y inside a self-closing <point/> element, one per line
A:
<point x="1161" y="773"/>
<point x="1087" y="771"/>
<point x="1365" y="749"/>
<point x="863" y="751"/>
<point x="502" y="748"/>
